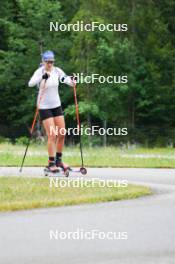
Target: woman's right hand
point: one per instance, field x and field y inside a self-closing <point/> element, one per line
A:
<point x="45" y="76"/>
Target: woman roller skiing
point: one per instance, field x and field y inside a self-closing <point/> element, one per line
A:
<point x="48" y="77"/>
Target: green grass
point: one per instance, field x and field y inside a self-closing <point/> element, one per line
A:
<point x="28" y="193"/>
<point x="11" y="155"/>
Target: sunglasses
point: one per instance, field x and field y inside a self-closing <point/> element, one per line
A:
<point x="49" y="62"/>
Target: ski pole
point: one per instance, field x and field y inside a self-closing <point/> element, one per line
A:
<point x="78" y="123"/>
<point x="33" y="125"/>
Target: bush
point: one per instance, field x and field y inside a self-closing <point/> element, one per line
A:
<point x="4" y="139"/>
<point x="21" y="140"/>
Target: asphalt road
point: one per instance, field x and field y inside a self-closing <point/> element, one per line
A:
<point x="149" y="223"/>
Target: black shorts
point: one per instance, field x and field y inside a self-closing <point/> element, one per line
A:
<point x="47" y="113"/>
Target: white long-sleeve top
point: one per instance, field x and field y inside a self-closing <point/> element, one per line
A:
<point x="48" y="96"/>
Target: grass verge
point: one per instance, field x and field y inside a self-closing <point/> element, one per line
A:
<point x="11" y="155"/>
<point x="28" y="193"/>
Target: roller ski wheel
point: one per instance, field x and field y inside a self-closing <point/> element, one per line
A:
<point x="83" y="170"/>
<point x="66" y="173"/>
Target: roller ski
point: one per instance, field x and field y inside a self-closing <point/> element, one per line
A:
<point x="67" y="169"/>
<point x="53" y="171"/>
<point x="81" y="170"/>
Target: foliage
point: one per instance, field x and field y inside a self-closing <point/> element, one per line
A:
<point x="145" y="53"/>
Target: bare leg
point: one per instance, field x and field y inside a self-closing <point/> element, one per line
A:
<point x="59" y="122"/>
<point x="51" y="137"/>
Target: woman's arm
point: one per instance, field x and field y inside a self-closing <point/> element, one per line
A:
<point x="36" y="78"/>
<point x="64" y="78"/>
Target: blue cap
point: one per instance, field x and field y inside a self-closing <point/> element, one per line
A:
<point x="48" y="55"/>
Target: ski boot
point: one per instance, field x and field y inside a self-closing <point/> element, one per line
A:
<point x="51" y="169"/>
